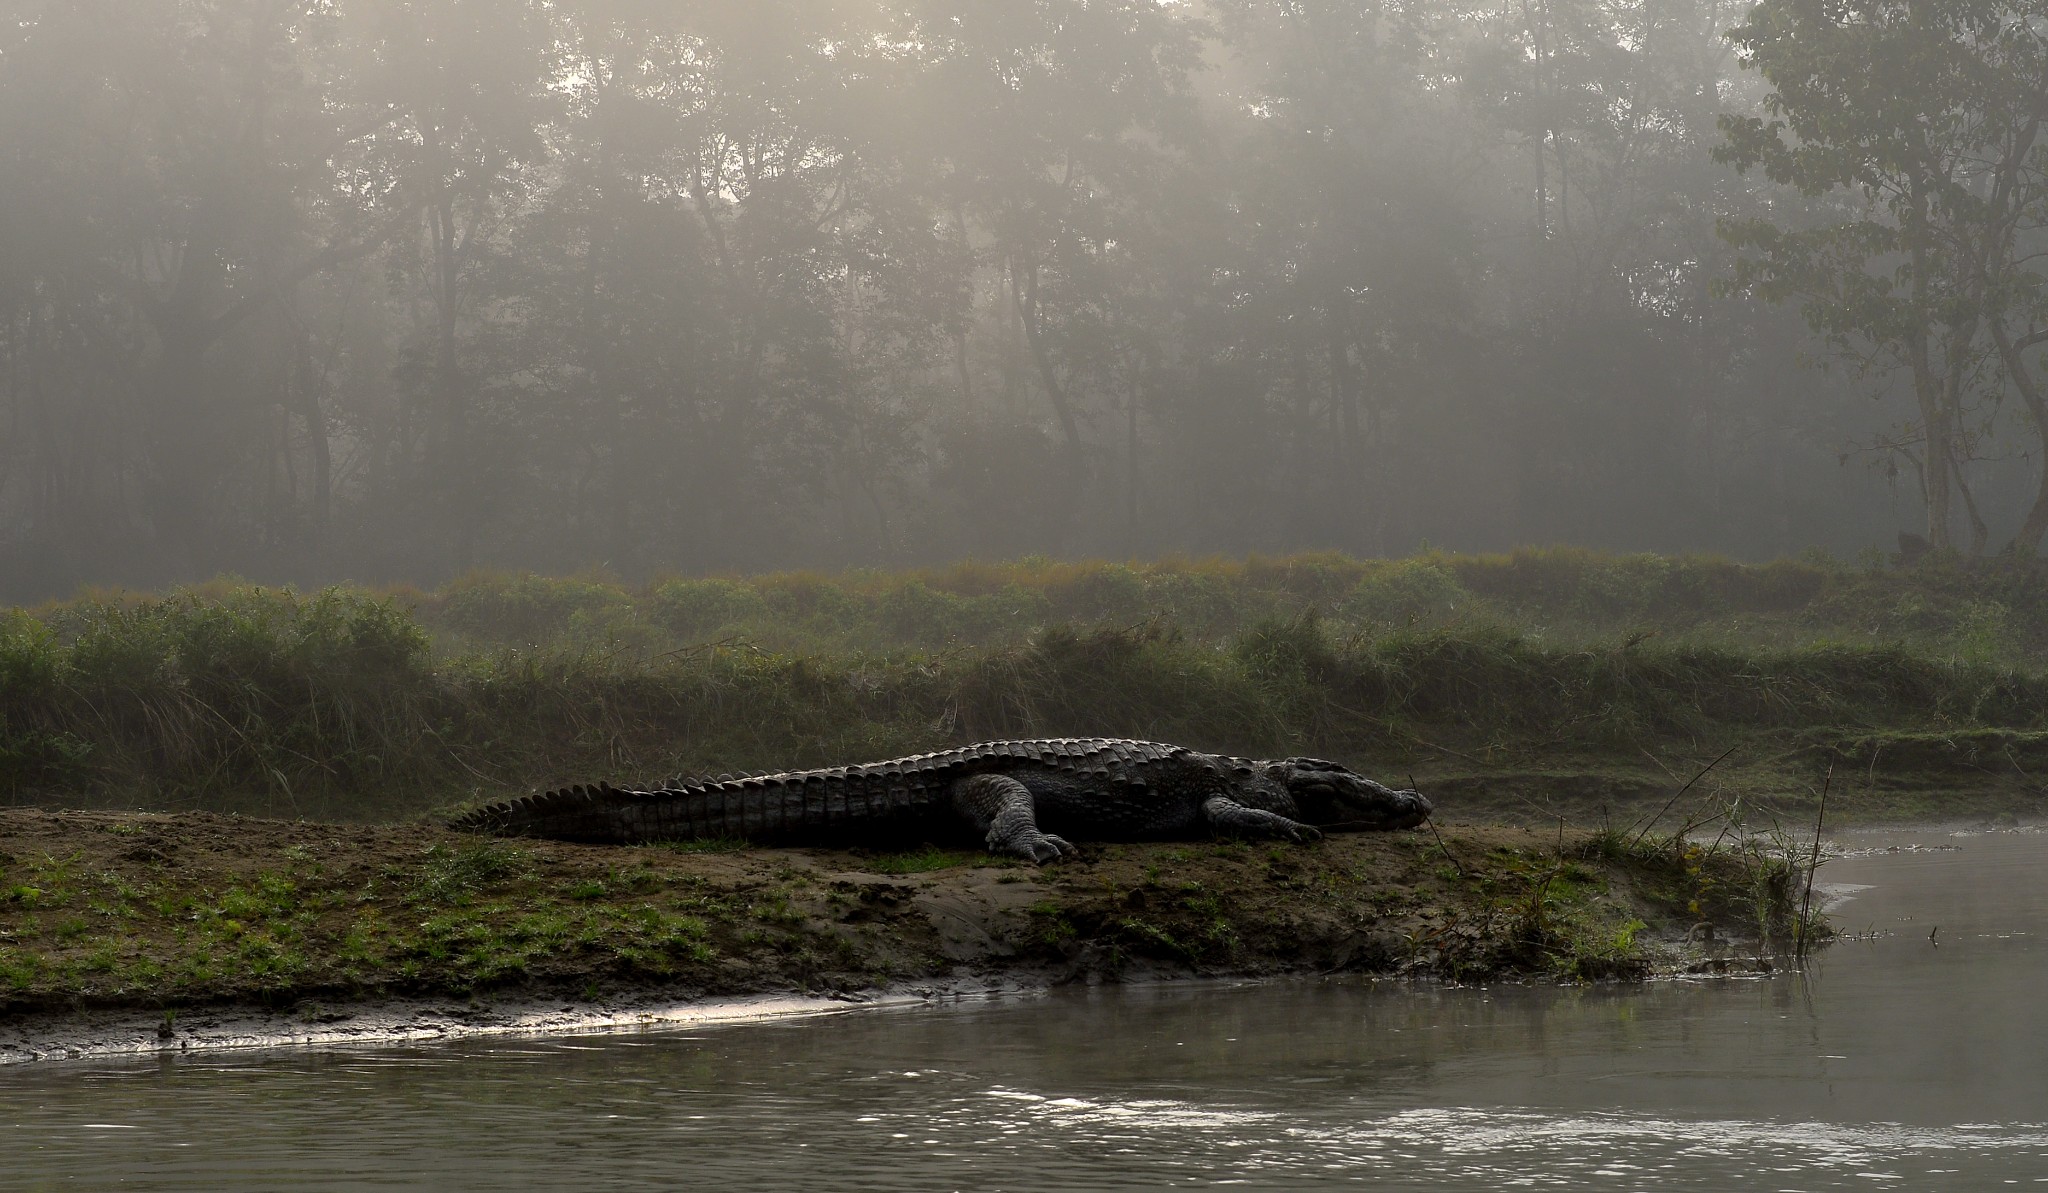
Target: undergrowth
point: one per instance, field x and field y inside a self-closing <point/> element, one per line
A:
<point x="359" y="703"/>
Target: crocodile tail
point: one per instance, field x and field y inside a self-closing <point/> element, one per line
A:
<point x="752" y="809"/>
<point x="581" y="813"/>
<point x="773" y="807"/>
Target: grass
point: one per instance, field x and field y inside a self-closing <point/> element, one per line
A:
<point x="352" y="703"/>
<point x="928" y="860"/>
<point x="281" y="913"/>
<point x="452" y="920"/>
<point x="453" y="876"/>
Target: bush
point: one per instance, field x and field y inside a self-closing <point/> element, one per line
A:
<point x="1411" y="591"/>
<point x="1107" y="592"/>
<point x="31" y="661"/>
<point x="916" y="614"/>
<point x="265" y="700"/>
<point x="1203" y="599"/>
<point x="701" y="608"/>
<point x="236" y="643"/>
<point x="114" y="647"/>
<point x="350" y="634"/>
<point x="524" y="609"/>
<point x="31" y="758"/>
<point x="802" y="596"/>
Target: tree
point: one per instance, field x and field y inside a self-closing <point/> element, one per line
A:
<point x="1926" y="114"/>
<point x="388" y="288"/>
<point x="1351" y="269"/>
<point x="465" y="88"/>
<point x="199" y="182"/>
<point x="1053" y="127"/>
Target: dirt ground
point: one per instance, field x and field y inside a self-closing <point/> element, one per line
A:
<point x="182" y="915"/>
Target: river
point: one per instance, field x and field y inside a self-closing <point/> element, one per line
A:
<point x="1895" y="1061"/>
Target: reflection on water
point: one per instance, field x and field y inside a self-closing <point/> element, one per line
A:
<point x="1895" y="1063"/>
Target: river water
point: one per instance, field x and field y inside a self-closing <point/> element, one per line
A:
<point x="1894" y="1062"/>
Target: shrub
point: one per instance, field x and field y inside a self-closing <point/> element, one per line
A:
<point x="803" y="596"/>
<point x="1108" y="592"/>
<point x="1202" y="599"/>
<point x="350" y="634"/>
<point x="232" y="644"/>
<point x="701" y="608"/>
<point x="31" y="662"/>
<point x="1409" y="591"/>
<point x="127" y="648"/>
<point x="915" y="613"/>
<point x="525" y="608"/>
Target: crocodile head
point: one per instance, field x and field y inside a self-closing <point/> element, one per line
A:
<point x="1336" y="797"/>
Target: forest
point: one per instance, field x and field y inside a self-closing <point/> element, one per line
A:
<point x="391" y="290"/>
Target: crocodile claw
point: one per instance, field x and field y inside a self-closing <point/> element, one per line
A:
<point x="1040" y="848"/>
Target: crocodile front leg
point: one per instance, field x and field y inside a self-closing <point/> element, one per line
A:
<point x="1001" y="807"/>
<point x="1228" y="818"/>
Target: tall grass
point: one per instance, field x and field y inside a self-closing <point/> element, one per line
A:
<point x="350" y="702"/>
<point x="1993" y="611"/>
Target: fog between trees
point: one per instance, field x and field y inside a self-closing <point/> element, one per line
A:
<point x="389" y="289"/>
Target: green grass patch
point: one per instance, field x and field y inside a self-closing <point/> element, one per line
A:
<point x="707" y="845"/>
<point x="452" y="876"/>
<point x="928" y="860"/>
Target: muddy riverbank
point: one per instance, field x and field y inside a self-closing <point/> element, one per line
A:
<point x="165" y="919"/>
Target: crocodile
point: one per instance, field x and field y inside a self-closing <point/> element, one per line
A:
<point x="1022" y="798"/>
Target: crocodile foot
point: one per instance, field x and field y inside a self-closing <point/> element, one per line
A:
<point x="1228" y="818"/>
<point x="1033" y="846"/>
<point x="1297" y="832"/>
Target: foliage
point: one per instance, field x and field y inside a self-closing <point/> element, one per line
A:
<point x="344" y="703"/>
<point x="701" y="608"/>
<point x="1420" y="590"/>
<point x="1928" y="115"/>
<point x="523" y="608"/>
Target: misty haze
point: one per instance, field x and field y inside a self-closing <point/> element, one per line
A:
<point x="1515" y="526"/>
<point x="388" y="291"/>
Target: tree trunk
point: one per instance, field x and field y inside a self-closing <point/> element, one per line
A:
<point x="1928" y="389"/>
<point x="1131" y="466"/>
<point x="1937" y="467"/>
<point x="1343" y="391"/>
<point x="1024" y="294"/>
<point x="450" y="454"/>
<point x="180" y="452"/>
<point x="2035" y="525"/>
<point x="606" y="401"/>
<point x="960" y="370"/>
